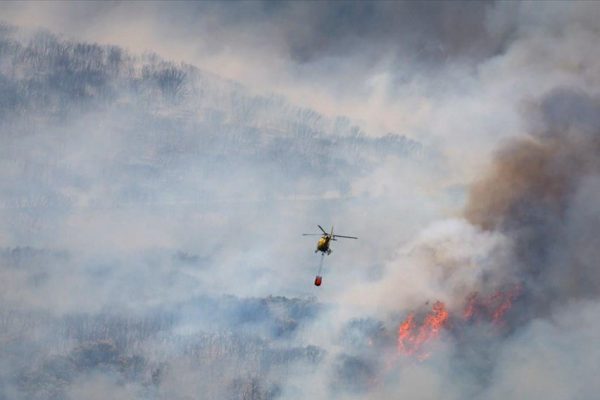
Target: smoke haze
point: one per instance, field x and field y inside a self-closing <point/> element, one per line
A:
<point x="159" y="162"/>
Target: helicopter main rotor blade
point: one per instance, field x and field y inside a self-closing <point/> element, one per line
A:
<point x="346" y="237"/>
<point x="322" y="230"/>
<point x="312" y="234"/>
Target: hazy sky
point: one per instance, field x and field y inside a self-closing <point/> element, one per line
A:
<point x="435" y="71"/>
<point x="130" y="184"/>
<point x="376" y="61"/>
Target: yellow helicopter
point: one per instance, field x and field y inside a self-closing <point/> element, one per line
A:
<point x="323" y="243"/>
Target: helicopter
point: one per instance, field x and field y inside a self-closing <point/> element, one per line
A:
<point x="323" y="243"/>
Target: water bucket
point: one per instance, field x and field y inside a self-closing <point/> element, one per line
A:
<point x="318" y="280"/>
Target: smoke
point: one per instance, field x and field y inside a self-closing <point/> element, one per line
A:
<point x="530" y="224"/>
<point x="524" y="255"/>
<point x="151" y="210"/>
<point x="386" y="49"/>
<point x="541" y="192"/>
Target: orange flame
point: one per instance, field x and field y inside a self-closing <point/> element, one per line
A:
<point x="492" y="307"/>
<point x="412" y="339"/>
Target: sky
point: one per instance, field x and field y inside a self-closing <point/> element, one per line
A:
<point x="160" y="162"/>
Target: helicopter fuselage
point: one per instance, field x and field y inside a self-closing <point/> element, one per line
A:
<point x="326" y="238"/>
<point x="323" y="245"/>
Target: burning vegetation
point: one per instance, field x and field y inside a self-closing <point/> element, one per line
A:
<point x="540" y="193"/>
<point x="491" y="308"/>
<point x="412" y="337"/>
<point x="416" y="335"/>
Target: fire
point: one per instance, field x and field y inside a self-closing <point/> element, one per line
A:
<point x="492" y="307"/>
<point x="412" y="338"/>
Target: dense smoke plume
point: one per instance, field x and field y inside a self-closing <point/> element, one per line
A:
<point x="542" y="192"/>
<point x="537" y="207"/>
<point x="151" y="210"/>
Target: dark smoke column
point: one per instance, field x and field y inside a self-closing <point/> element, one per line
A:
<point x="543" y="191"/>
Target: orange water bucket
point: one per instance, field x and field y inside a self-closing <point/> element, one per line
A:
<point x="318" y="280"/>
